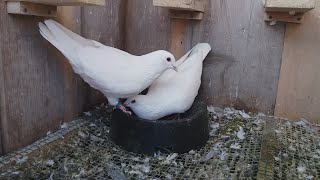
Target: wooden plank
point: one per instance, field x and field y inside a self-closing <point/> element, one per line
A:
<point x="3" y="113"/>
<point x="192" y="15"/>
<point x="65" y="2"/>
<point x="26" y="8"/>
<point x="178" y="34"/>
<point x="3" y="118"/>
<point x="191" y="5"/>
<point x="299" y="87"/>
<point x="147" y="27"/>
<point x="284" y="17"/>
<point x="243" y="67"/>
<point x="34" y="82"/>
<point x="291" y="5"/>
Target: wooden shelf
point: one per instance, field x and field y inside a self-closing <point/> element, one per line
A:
<point x="290" y="11"/>
<point x="46" y="8"/>
<point x="289" y="5"/>
<point x="65" y="2"/>
<point x="187" y="5"/>
<point x="183" y="9"/>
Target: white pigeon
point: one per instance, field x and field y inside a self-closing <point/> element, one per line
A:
<point x="173" y="92"/>
<point x="117" y="74"/>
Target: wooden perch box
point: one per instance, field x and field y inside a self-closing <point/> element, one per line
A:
<point x="289" y="5"/>
<point x="26" y="8"/>
<point x="187" y="5"/>
<point x="45" y="8"/>
<point x="64" y="2"/>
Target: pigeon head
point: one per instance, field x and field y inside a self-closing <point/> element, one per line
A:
<point x="142" y="106"/>
<point x="166" y="58"/>
<point x="132" y="102"/>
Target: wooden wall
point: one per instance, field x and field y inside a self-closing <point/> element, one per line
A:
<point x="243" y="67"/>
<point x="38" y="89"/>
<point x="147" y="27"/>
<point x="299" y="84"/>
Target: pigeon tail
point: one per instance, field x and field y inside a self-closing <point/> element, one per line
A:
<point x="64" y="40"/>
<point x="204" y="47"/>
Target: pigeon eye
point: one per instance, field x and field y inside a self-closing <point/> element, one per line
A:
<point x="133" y="101"/>
<point x="168" y="59"/>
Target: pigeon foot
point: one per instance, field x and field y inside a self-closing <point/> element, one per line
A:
<point x="123" y="109"/>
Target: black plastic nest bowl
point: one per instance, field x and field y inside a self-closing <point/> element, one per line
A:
<point x="188" y="131"/>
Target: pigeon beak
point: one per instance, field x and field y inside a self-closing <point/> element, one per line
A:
<point x="175" y="68"/>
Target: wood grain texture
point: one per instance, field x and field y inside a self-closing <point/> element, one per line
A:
<point x="299" y="84"/>
<point x="243" y="67"/>
<point x="178" y="34"/>
<point x="147" y="27"/>
<point x="3" y="119"/>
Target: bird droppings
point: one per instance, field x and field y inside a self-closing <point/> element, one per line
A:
<point x="259" y="147"/>
<point x="64" y="126"/>
<point x="87" y="113"/>
<point x="21" y="160"/>
<point x="49" y="162"/>
<point x="235" y="146"/>
<point x="241" y="134"/>
<point x="272" y="23"/>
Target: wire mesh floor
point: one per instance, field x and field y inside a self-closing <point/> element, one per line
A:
<point x="240" y="147"/>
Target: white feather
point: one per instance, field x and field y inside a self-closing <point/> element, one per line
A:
<point x="173" y="92"/>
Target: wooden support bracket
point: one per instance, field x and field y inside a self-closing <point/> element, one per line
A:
<point x="187" y="5"/>
<point x="26" y="8"/>
<point x="194" y="15"/>
<point x="183" y="9"/>
<point x="283" y="17"/>
<point x="289" y="5"/>
<point x="45" y="8"/>
<point x="290" y="11"/>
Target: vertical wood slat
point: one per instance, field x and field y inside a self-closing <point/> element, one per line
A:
<point x="147" y="27"/>
<point x="299" y="85"/>
<point x="3" y="118"/>
<point x="178" y="34"/>
<point x="34" y="96"/>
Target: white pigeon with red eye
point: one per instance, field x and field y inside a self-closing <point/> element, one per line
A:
<point x="117" y="74"/>
<point x="173" y="92"/>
